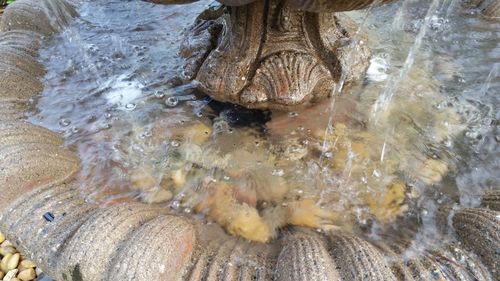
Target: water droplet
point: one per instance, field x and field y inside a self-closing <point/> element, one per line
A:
<point x="105" y="126"/>
<point x="145" y="135"/>
<point x="92" y="48"/>
<point x="278" y="172"/>
<point x="176" y="204"/>
<point x="188" y="210"/>
<point x="64" y="122"/>
<point x="295" y="149"/>
<point x="448" y="143"/>
<point x="171" y="101"/>
<point x="159" y="94"/>
<point x="130" y="106"/>
<point x="174" y="143"/>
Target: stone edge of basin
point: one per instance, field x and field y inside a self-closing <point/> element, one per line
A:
<point x="44" y="214"/>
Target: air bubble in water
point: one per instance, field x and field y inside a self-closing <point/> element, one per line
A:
<point x="425" y="212"/>
<point x="278" y="172"/>
<point x="295" y="149"/>
<point x="448" y="143"/>
<point x="176" y="204"/>
<point x="64" y="122"/>
<point x="171" y="101"/>
<point x="92" y="48"/>
<point x="174" y="143"/>
<point x="159" y="94"/>
<point x="146" y="135"/>
<point x="130" y="106"/>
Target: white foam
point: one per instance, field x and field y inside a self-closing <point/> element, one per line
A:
<point x="377" y="71"/>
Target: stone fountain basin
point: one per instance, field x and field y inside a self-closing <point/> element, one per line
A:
<point x="134" y="241"/>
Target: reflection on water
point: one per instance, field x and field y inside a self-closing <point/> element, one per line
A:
<point x="420" y="130"/>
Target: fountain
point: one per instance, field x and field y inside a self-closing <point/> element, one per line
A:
<point x="115" y="166"/>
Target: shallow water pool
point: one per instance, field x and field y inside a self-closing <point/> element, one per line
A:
<point x="420" y="131"/>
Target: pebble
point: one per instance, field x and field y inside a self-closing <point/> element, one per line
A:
<point x="10" y="262"/>
<point x="10" y="275"/>
<point x="7" y="250"/>
<point x="27" y="264"/>
<point x="13" y="266"/>
<point x="27" y="274"/>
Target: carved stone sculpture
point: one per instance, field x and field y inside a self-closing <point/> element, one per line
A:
<point x="274" y="54"/>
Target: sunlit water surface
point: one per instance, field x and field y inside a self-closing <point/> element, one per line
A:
<point x="420" y="131"/>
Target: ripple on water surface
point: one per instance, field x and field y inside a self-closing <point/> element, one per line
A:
<point x="111" y="88"/>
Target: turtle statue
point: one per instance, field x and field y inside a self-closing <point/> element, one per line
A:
<point x="274" y="54"/>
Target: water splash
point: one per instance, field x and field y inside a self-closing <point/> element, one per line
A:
<point x="350" y="55"/>
<point x="382" y="103"/>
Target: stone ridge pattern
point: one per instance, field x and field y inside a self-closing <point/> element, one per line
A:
<point x="44" y="215"/>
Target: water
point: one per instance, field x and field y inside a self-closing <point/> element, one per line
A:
<point x="420" y="131"/>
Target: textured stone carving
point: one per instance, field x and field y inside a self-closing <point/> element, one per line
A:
<point x="269" y="55"/>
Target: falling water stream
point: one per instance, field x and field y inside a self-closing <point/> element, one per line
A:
<point x="420" y="131"/>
